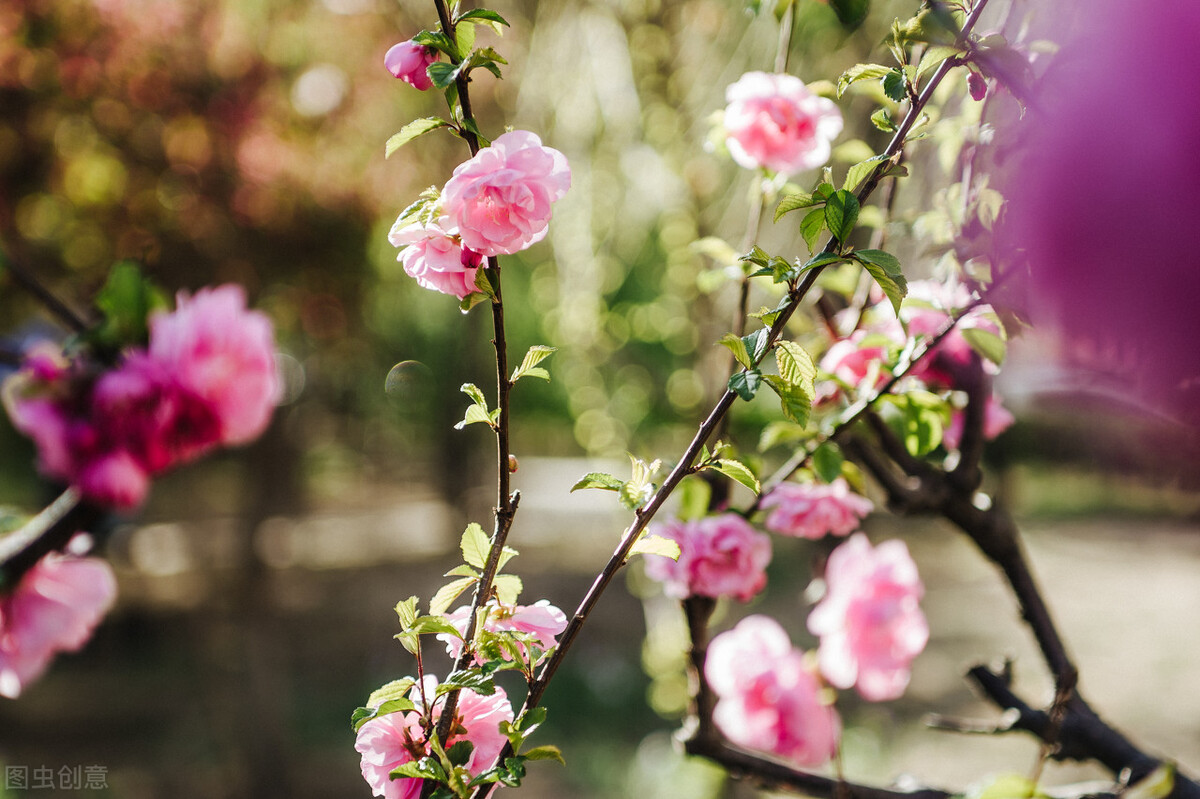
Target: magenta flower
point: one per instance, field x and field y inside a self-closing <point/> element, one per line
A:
<point x="541" y="620"/>
<point x="719" y="556"/>
<point x="500" y="200"/>
<point x="996" y="419"/>
<point x="434" y="256"/>
<point x="53" y="608"/>
<point x="391" y="741"/>
<point x="814" y="510"/>
<point x="208" y="379"/>
<point x="409" y="61"/>
<point x="773" y="121"/>
<point x="870" y="624"/>
<point x="224" y="355"/>
<point x="768" y="699"/>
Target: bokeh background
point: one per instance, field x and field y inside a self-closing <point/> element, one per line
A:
<point x="242" y="140"/>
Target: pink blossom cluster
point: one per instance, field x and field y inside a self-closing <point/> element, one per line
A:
<point x="719" y="556"/>
<point x="768" y="697"/>
<point x="541" y="620"/>
<point x="773" y="121"/>
<point x="497" y="203"/>
<point x="815" y="510"/>
<point x="869" y="622"/>
<point x="53" y="608"/>
<point x="388" y="742"/>
<point x="409" y="62"/>
<point x="207" y="379"/>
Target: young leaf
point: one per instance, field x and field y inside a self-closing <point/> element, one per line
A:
<point x="475" y="414"/>
<point x="598" y="480"/>
<point x="426" y="625"/>
<point x="464" y="34"/>
<point x="745" y="384"/>
<point x="736" y="470"/>
<point x="424" y="769"/>
<point x="406" y="611"/>
<point x="477" y="681"/>
<point x="820" y="259"/>
<point x="655" y="545"/>
<point x="396" y="689"/>
<point x="860" y="72"/>
<point x="882" y="119"/>
<point x="449" y="592"/>
<point x="895" y="85"/>
<point x="462" y="570"/>
<point x="475" y="545"/>
<point x="811" y="227"/>
<point x="443" y="74"/>
<point x="791" y="202"/>
<point x="508" y="588"/>
<point x="796" y="366"/>
<point x="533" y="357"/>
<point x="460" y="753"/>
<point x="794" y="401"/>
<point x="738" y="347"/>
<point x="127" y="299"/>
<point x="986" y="343"/>
<point x="856" y="174"/>
<point x="885" y="268"/>
<point x="841" y="212"/>
<point x="544" y="753"/>
<point x="472" y="391"/>
<point x="484" y="15"/>
<point x="827" y="462"/>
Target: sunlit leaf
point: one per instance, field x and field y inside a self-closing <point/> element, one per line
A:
<point x="656" y="545"/>
<point x="449" y="592"/>
<point x="736" y="470"/>
<point x="841" y="212"/>
<point x="598" y="480"/>
<point x="475" y="545"/>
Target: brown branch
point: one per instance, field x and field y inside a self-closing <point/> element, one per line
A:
<point x="28" y="281"/>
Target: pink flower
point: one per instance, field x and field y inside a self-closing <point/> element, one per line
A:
<point x="774" y="121"/>
<point x="433" y="254"/>
<point x="408" y="61"/>
<point x="928" y="313"/>
<point x="500" y="199"/>
<point x="869" y="622"/>
<point x="114" y="478"/>
<point x="996" y="419"/>
<point x="814" y="510"/>
<point x="768" y="699"/>
<point x="54" y="608"/>
<point x="391" y="741"/>
<point x="541" y="620"/>
<point x="223" y="354"/>
<point x="719" y="556"/>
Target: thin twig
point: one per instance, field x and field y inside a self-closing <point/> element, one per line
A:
<point x="49" y="531"/>
<point x="28" y="281"/>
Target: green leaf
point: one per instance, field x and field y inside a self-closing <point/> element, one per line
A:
<point x="655" y="545"/>
<point x="841" y="212"/>
<point x="553" y="753"/>
<point x="795" y="402"/>
<point x="694" y="496"/>
<point x="933" y="56"/>
<point x="462" y="570"/>
<point x="986" y="343"/>
<point x="126" y="300"/>
<point x="860" y="72"/>
<point x="885" y="269"/>
<point x="851" y="13"/>
<point x="472" y="391"/>
<point x="738" y="347"/>
<point x="443" y="74"/>
<point x="736" y="470"/>
<point x="449" y="592"/>
<point x="424" y="769"/>
<point x="827" y="462"/>
<point x="918" y="418"/>
<point x="464" y="34"/>
<point x="777" y="433"/>
<point x="795" y="364"/>
<point x="396" y="689"/>
<point x="533" y="357"/>
<point x="460" y="753"/>
<point x="475" y="414"/>
<point x="757" y="256"/>
<point x="426" y="625"/>
<point x="895" y="85"/>
<point x="406" y="611"/>
<point x="473" y="678"/>
<point x="791" y="202"/>
<point x="821" y="259"/>
<point x="475" y="545"/>
<point x="438" y="40"/>
<point x="364" y="714"/>
<point x="508" y="587"/>
<point x="745" y="384"/>
<point x="811" y="227"/>
<point x="598" y="480"/>
<point x="882" y="119"/>
<point x="484" y="15"/>
<point x="989" y="204"/>
<point x="635" y="492"/>
<point x="856" y="174"/>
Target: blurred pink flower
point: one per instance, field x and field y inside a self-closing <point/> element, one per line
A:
<point x="53" y="608"/>
<point x="114" y="477"/>
<point x="996" y="419"/>
<point x="870" y="624"/>
<point x="500" y="200"/>
<point x="773" y="121"/>
<point x="434" y="256"/>
<point x="541" y="619"/>
<point x="814" y="510"/>
<point x="222" y="353"/>
<point x="719" y="556"/>
<point x="768" y="698"/>
<point x="408" y="61"/>
<point x="391" y="741"/>
<point x="927" y="314"/>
